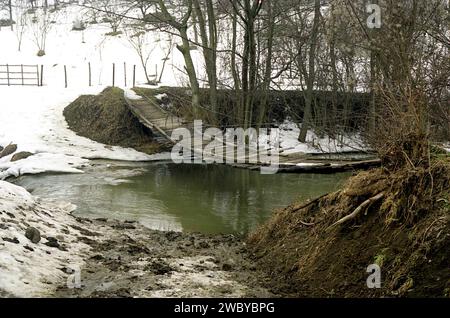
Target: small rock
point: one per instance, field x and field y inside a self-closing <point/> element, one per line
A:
<point x="203" y="244"/>
<point x="33" y="235"/>
<point x="172" y="236"/>
<point x="28" y="248"/>
<point x="12" y="216"/>
<point x="159" y="267"/>
<point x="21" y="155"/>
<point x="10" y="149"/>
<point x="124" y="226"/>
<point x="97" y="257"/>
<point x="52" y="242"/>
<point x="11" y="240"/>
<point x="227" y="267"/>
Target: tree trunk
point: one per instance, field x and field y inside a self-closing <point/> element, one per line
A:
<point x="307" y="116"/>
<point x="190" y="69"/>
<point x="209" y="43"/>
<point x="268" y="66"/>
<point x="334" y="72"/>
<point x="10" y="15"/>
<point x="213" y="52"/>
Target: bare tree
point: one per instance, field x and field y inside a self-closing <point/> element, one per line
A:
<point x="208" y="33"/>
<point x="112" y="12"/>
<point x="181" y="25"/>
<point x="311" y="73"/>
<point x="20" y="13"/>
<point x="138" y="39"/>
<point x="247" y="11"/>
<point x="40" y="24"/>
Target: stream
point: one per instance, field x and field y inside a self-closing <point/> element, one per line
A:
<point x="193" y="198"/>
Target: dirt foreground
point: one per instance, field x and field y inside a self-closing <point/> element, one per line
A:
<point x="128" y="260"/>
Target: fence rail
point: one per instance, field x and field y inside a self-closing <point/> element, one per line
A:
<point x="33" y="75"/>
<point x="22" y="75"/>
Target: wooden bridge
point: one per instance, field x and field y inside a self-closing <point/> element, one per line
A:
<point x="162" y="123"/>
<point x="154" y="117"/>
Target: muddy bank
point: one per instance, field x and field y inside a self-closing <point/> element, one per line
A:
<point x="398" y="221"/>
<point x="128" y="260"/>
<point x="105" y="118"/>
<point x="42" y="246"/>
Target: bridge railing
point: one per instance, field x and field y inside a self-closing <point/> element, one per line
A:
<point x="22" y="75"/>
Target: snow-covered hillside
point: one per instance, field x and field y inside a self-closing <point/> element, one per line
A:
<point x="32" y="116"/>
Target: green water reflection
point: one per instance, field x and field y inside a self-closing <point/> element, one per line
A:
<point x="202" y="198"/>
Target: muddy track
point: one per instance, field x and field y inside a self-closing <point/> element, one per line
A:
<point x="128" y="260"/>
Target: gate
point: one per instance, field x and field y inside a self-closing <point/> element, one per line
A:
<point x="23" y="75"/>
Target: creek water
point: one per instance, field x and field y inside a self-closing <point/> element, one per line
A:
<point x="166" y="196"/>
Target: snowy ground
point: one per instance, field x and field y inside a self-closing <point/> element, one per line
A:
<point x="27" y="268"/>
<point x="289" y="144"/>
<point x="32" y="118"/>
<point x="34" y="121"/>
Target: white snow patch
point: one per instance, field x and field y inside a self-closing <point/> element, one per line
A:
<point x="308" y="164"/>
<point x="289" y="144"/>
<point x="447" y="147"/>
<point x="35" y="273"/>
<point x="42" y="162"/>
<point x="161" y="96"/>
<point x="132" y="95"/>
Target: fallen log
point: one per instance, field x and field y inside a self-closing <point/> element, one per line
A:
<point x="331" y="168"/>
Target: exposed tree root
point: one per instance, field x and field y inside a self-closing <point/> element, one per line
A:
<point x="306" y="224"/>
<point x="305" y="205"/>
<point x="358" y="210"/>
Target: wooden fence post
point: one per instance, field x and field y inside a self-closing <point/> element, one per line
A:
<point x="114" y="75"/>
<point x="134" y="75"/>
<point x="90" y="75"/>
<point x="7" y="73"/>
<point x="65" y="76"/>
<point x="42" y="75"/>
<point x="125" y="72"/>
<point x="21" y="73"/>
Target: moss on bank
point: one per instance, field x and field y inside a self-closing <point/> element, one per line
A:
<point x="106" y="118"/>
